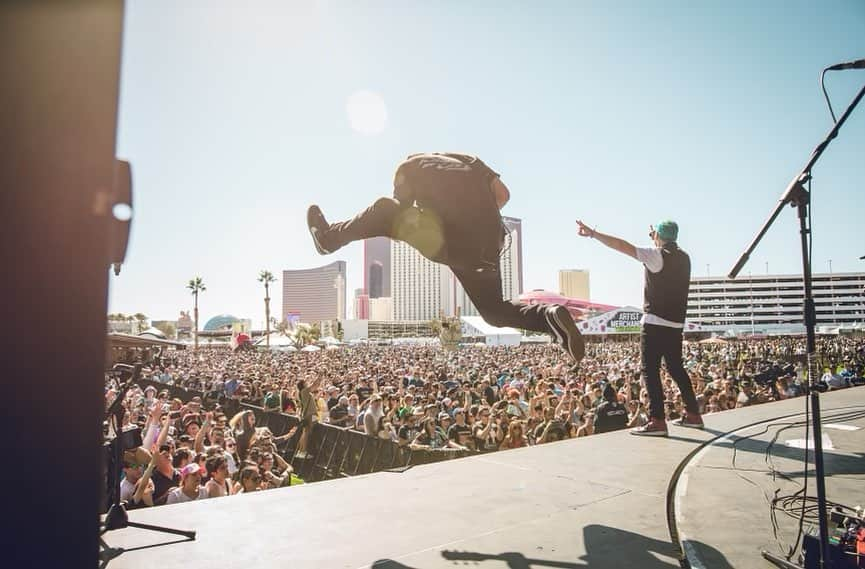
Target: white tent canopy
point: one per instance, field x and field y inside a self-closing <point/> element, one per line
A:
<point x="155" y="332"/>
<point x="474" y="326"/>
<point x="310" y="348"/>
<point x="277" y="339"/>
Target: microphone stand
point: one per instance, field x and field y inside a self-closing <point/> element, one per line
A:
<point x="116" y="518"/>
<point x="796" y="195"/>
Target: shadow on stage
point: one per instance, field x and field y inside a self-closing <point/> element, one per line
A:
<point x="606" y="548"/>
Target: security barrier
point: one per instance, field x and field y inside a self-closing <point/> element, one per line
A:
<point x="336" y="452"/>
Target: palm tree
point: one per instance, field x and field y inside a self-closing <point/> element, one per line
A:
<point x="302" y="336"/>
<point x="196" y="285"/>
<point x="266" y="277"/>
<point x="142" y="321"/>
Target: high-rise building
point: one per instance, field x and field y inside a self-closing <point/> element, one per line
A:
<point x="773" y="303"/>
<point x="574" y="283"/>
<point x="510" y="265"/>
<point x="361" y="305"/>
<point x="376" y="267"/>
<point x="381" y="309"/>
<point x="512" y="258"/>
<point x="422" y="288"/>
<point x="419" y="286"/>
<point x="314" y="294"/>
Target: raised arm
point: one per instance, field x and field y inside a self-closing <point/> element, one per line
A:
<point x="610" y="241"/>
<point x="205" y="429"/>
<point x="148" y="472"/>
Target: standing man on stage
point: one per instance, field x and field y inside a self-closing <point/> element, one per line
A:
<point x="665" y="299"/>
<point x="447" y="207"/>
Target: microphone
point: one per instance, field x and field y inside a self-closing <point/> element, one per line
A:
<point x="858" y="64"/>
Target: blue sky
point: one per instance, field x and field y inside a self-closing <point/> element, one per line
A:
<point x="621" y="113"/>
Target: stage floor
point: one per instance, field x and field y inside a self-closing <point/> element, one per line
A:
<point x="598" y="502"/>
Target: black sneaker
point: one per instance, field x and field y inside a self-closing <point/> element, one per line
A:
<point x="318" y="227"/>
<point x="562" y="324"/>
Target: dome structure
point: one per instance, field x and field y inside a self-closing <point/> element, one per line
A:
<point x="220" y="322"/>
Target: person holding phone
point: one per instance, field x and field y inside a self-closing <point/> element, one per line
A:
<point x="665" y="292"/>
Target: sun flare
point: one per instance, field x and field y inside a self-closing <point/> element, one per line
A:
<point x="366" y="112"/>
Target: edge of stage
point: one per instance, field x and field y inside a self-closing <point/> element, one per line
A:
<point x="605" y="501"/>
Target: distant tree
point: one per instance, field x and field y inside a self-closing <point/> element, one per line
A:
<point x="266" y="277"/>
<point x="302" y="336"/>
<point x="196" y="286"/>
<point x="141" y="320"/>
<point x="167" y="328"/>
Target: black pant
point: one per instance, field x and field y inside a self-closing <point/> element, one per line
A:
<point x="658" y="342"/>
<point x="422" y="229"/>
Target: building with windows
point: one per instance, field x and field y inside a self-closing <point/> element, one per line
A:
<point x="381" y="309"/>
<point x="313" y="295"/>
<point x="421" y="289"/>
<point x="361" y="305"/>
<point x="770" y="304"/>
<point x="376" y="267"/>
<point x="419" y="286"/>
<point x="574" y="283"/>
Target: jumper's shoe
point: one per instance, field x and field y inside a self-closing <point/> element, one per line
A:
<point x="318" y="228"/>
<point x="654" y="428"/>
<point x="692" y="420"/>
<point x="567" y="335"/>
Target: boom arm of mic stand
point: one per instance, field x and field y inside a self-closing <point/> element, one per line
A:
<point x="786" y="198"/>
<point x="800" y="179"/>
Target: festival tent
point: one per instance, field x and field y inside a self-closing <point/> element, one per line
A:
<point x="713" y="341"/>
<point x="624" y="320"/>
<point x="155" y="333"/>
<point x="310" y="348"/>
<point x="475" y="326"/>
<point x="277" y="340"/>
<point x="329" y="341"/>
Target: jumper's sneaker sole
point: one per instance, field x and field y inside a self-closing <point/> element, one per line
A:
<point x="567" y="334"/>
<point x="316" y="223"/>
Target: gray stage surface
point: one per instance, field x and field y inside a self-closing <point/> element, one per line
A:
<point x="599" y="502"/>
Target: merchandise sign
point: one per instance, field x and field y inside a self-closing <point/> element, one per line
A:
<point x="625" y="321"/>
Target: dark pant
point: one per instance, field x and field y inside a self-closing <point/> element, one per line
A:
<point x="658" y="342"/>
<point x="422" y="229"/>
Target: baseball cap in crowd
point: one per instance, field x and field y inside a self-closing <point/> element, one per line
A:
<point x="443" y="416"/>
<point x="191" y="468"/>
<point x="667" y="230"/>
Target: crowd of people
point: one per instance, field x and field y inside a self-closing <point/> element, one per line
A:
<point x="474" y="399"/>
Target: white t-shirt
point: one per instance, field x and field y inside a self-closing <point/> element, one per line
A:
<point x="176" y="495"/>
<point x="127" y="490"/>
<point x="653" y="260"/>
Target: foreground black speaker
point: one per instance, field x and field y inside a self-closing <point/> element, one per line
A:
<point x="59" y="71"/>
